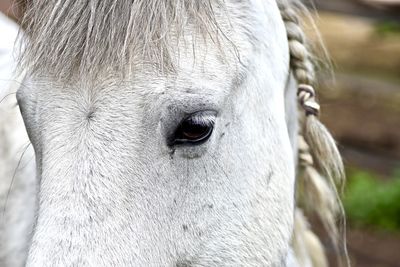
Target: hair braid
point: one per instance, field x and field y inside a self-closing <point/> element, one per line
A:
<point x="323" y="147"/>
<point x="317" y="149"/>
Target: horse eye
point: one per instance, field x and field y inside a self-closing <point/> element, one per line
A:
<point x="194" y="129"/>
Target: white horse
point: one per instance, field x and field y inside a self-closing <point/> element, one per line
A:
<point x="165" y="134"/>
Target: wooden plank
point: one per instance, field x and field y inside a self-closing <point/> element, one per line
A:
<point x="356" y="7"/>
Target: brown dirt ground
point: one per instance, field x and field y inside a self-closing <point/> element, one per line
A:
<point x="355" y="45"/>
<point x="374" y="249"/>
<point x="366" y="247"/>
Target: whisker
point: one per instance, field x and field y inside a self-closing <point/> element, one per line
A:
<point x="14" y="81"/>
<point x="7" y="95"/>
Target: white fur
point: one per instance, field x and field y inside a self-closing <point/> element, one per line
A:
<point x="112" y="193"/>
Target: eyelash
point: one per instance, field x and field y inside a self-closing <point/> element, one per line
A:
<point x="203" y="120"/>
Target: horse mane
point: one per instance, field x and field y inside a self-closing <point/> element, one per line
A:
<point x="320" y="166"/>
<point x="82" y="36"/>
<point x="68" y="37"/>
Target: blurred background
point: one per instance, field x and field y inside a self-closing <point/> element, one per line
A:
<point x="361" y="106"/>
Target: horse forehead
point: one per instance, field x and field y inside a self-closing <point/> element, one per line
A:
<point x="206" y="66"/>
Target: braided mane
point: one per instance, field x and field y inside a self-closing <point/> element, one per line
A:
<point x="320" y="165"/>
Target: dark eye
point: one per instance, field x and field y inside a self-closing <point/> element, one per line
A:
<point x="194" y="129"/>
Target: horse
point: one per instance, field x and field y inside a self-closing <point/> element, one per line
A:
<point x="174" y="133"/>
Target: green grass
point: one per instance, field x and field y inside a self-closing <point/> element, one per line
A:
<point x="372" y="202"/>
<point x="387" y="28"/>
